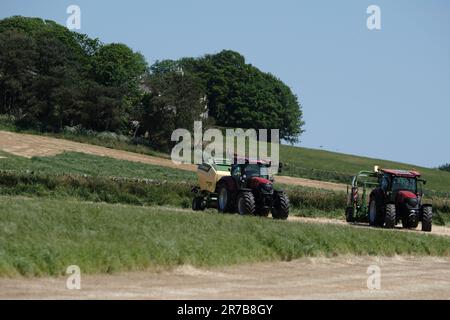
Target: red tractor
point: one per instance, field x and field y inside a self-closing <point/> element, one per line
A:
<point x="397" y="196"/>
<point x="246" y="188"/>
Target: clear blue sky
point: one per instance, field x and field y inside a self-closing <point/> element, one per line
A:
<point x="383" y="94"/>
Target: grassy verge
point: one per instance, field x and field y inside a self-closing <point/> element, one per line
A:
<point x="43" y="237"/>
<point x="80" y="163"/>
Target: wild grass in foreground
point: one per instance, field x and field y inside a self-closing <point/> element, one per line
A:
<point x="42" y="237"/>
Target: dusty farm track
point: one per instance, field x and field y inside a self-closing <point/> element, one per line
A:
<point x="308" y="278"/>
<point x="437" y="230"/>
<point x="27" y="145"/>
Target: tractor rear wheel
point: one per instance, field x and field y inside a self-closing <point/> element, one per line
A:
<point x="280" y="208"/>
<point x="390" y="216"/>
<point x="224" y="199"/>
<point x="427" y="218"/>
<point x="374" y="214"/>
<point x="350" y="214"/>
<point x="246" y="203"/>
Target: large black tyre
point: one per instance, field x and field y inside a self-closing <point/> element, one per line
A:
<point x="195" y="204"/>
<point x="350" y="214"/>
<point x="390" y="216"/>
<point x="427" y="218"/>
<point x="224" y="199"/>
<point x="246" y="203"/>
<point x="281" y="205"/>
<point x="374" y="214"/>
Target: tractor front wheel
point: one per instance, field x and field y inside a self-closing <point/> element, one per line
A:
<point x="427" y="218"/>
<point x="280" y="208"/>
<point x="246" y="204"/>
<point x="390" y="216"/>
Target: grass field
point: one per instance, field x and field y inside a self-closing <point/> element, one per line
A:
<point x="80" y="163"/>
<point x="42" y="237"/>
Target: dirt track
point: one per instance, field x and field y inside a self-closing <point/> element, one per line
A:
<point x="27" y="145"/>
<point x="437" y="230"/>
<point x="309" y="278"/>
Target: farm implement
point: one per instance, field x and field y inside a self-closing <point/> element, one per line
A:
<point x="395" y="196"/>
<point x="245" y="187"/>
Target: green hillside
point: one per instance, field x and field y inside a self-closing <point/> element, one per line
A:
<point x="332" y="166"/>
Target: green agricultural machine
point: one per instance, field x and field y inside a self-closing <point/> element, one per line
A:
<point x="395" y="195"/>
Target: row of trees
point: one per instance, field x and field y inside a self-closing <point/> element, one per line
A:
<point x="51" y="78"/>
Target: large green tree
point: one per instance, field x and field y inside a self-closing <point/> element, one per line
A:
<point x="174" y="100"/>
<point x="240" y="95"/>
<point x="51" y="77"/>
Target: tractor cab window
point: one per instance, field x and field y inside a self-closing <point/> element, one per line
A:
<point x="401" y="183"/>
<point x="236" y="171"/>
<point x="252" y="170"/>
<point x="264" y="172"/>
<point x="385" y="181"/>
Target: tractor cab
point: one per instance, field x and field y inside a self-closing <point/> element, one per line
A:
<point x="252" y="174"/>
<point x="401" y="186"/>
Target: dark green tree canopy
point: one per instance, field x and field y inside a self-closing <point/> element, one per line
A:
<point x="51" y="77"/>
<point x="240" y="95"/>
<point x="445" y="167"/>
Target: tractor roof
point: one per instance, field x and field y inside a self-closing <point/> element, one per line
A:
<point x="251" y="161"/>
<point x="402" y="173"/>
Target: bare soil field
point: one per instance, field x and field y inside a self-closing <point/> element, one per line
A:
<point x="308" y="278"/>
<point x="27" y="145"/>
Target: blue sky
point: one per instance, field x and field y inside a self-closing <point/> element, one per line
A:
<point x="383" y="93"/>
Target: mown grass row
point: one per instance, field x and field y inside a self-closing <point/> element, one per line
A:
<point x="43" y="237"/>
<point x="146" y="192"/>
<point x="80" y="163"/>
<point x="104" y="139"/>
